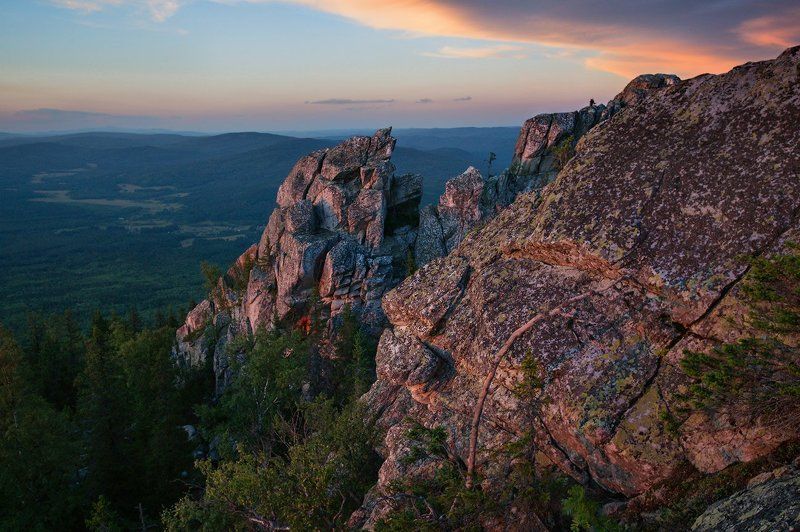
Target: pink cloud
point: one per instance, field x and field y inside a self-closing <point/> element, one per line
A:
<point x="772" y="30"/>
<point x="625" y="37"/>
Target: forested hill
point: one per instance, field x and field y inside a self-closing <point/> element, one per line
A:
<point x="112" y="220"/>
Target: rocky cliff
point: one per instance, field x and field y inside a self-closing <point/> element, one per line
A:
<point x="604" y="278"/>
<point x="347" y="229"/>
<point x="545" y="143"/>
<point x="341" y="233"/>
<point x="616" y="241"/>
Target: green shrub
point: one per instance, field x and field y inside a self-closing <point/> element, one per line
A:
<point x="211" y="274"/>
<point x="411" y="263"/>
<point x="532" y="384"/>
<point x="564" y="152"/>
<point x="314" y="483"/>
<point x="760" y="372"/>
<point x="284" y="459"/>
<point x="585" y="513"/>
<point x="239" y="275"/>
<point x="425" y="443"/>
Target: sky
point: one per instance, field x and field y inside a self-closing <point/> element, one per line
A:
<point x="278" y="65"/>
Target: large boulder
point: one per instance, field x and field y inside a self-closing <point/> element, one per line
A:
<point x="770" y="502"/>
<point x="635" y="253"/>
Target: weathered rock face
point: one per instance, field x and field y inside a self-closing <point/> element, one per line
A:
<point x="329" y="232"/>
<point x="544" y="144"/>
<point x="637" y="90"/>
<point x="770" y="502"/>
<point x="646" y="229"/>
<point x="535" y="154"/>
<point x="443" y="226"/>
<point x="542" y="134"/>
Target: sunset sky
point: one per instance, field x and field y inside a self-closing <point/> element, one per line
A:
<point x="268" y="65"/>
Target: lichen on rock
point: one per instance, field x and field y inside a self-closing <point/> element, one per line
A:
<point x="668" y="196"/>
<point x="328" y="235"/>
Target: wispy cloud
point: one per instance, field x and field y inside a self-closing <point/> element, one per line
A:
<point x="772" y="30"/>
<point x="478" y="52"/>
<point x="158" y="10"/>
<point x="48" y="114"/>
<point x="87" y="6"/>
<point x="463" y="99"/>
<point x="347" y="101"/>
<point x="424" y="100"/>
<point x="161" y="10"/>
<point x="625" y="37"/>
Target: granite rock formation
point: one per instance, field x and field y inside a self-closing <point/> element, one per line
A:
<point x="770" y="502"/>
<point x="343" y="227"/>
<point x="636" y="251"/>
<point x="536" y="151"/>
<point x="545" y="143"/>
<point x="627" y="226"/>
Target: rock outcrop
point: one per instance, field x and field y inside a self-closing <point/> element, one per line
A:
<point x="343" y="227"/>
<point x="622" y="232"/>
<point x="537" y="151"/>
<point x="647" y="231"/>
<point x="770" y="502"/>
<point x="345" y="224"/>
<point x="460" y="208"/>
<point x="545" y="143"/>
<point x="543" y="134"/>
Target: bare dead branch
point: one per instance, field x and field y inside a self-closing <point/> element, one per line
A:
<point x="498" y="358"/>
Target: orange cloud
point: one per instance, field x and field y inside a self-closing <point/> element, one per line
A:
<point x="478" y="52"/>
<point x="772" y="30"/>
<point x="663" y="57"/>
<point x="624" y="37"/>
<point x="620" y="46"/>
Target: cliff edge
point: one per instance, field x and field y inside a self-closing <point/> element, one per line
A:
<point x="631" y="256"/>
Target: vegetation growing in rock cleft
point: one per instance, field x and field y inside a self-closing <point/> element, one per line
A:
<point x="761" y="372"/>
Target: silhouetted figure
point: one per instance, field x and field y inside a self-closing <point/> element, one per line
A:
<point x="591" y="102"/>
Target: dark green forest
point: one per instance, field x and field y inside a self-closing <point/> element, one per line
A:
<point x="102" y="431"/>
<point x="101" y="235"/>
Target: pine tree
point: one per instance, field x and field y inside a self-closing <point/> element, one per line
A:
<point x="760" y="372"/>
<point x="53" y="357"/>
<point x="134" y="320"/>
<point x="38" y="455"/>
<point x="102" y="409"/>
<point x="363" y="364"/>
